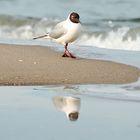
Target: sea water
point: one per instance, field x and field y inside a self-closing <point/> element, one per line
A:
<point x="104" y="112"/>
<point x="112" y="24"/>
<point x="111" y="31"/>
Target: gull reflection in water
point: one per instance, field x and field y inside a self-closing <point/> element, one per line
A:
<point x="69" y="105"/>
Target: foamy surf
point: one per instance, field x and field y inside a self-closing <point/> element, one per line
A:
<point x="122" y="38"/>
<point x="116" y="37"/>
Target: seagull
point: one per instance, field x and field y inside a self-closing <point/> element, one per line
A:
<point x="65" y="32"/>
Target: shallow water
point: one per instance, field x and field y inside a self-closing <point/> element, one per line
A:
<point x="31" y="113"/>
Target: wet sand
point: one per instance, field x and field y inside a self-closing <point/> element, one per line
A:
<point x="37" y="65"/>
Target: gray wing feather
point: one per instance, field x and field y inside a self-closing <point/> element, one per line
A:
<point x="58" y="31"/>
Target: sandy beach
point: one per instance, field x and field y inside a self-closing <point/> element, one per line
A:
<point x="37" y="65"/>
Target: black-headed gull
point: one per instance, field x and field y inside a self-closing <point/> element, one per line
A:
<point x="65" y="32"/>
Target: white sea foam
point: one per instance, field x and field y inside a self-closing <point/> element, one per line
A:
<point x="119" y="39"/>
<point x="122" y="38"/>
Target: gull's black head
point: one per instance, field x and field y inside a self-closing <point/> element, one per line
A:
<point x="74" y="17"/>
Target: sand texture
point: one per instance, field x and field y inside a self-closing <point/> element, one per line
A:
<point x="36" y="65"/>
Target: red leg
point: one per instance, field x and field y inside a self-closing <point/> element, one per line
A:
<point x="67" y="53"/>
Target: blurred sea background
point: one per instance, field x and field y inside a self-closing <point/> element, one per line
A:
<point x="113" y="24"/>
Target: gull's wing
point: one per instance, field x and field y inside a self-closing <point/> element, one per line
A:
<point x="59" y="30"/>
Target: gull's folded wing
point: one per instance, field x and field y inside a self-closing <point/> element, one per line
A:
<point x="58" y="31"/>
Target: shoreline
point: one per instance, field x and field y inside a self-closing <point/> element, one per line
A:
<point x="38" y="65"/>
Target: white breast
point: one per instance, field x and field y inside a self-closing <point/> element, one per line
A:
<point x="73" y="31"/>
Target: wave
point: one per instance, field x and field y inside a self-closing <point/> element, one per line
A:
<point x="123" y="38"/>
<point x="123" y="20"/>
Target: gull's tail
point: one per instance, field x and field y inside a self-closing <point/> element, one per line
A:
<point x="42" y="36"/>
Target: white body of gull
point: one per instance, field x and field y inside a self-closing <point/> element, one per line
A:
<point x="65" y="32"/>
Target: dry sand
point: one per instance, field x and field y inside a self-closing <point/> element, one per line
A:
<point x="36" y="65"/>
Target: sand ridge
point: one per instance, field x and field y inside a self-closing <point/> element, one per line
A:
<point x="37" y="65"/>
